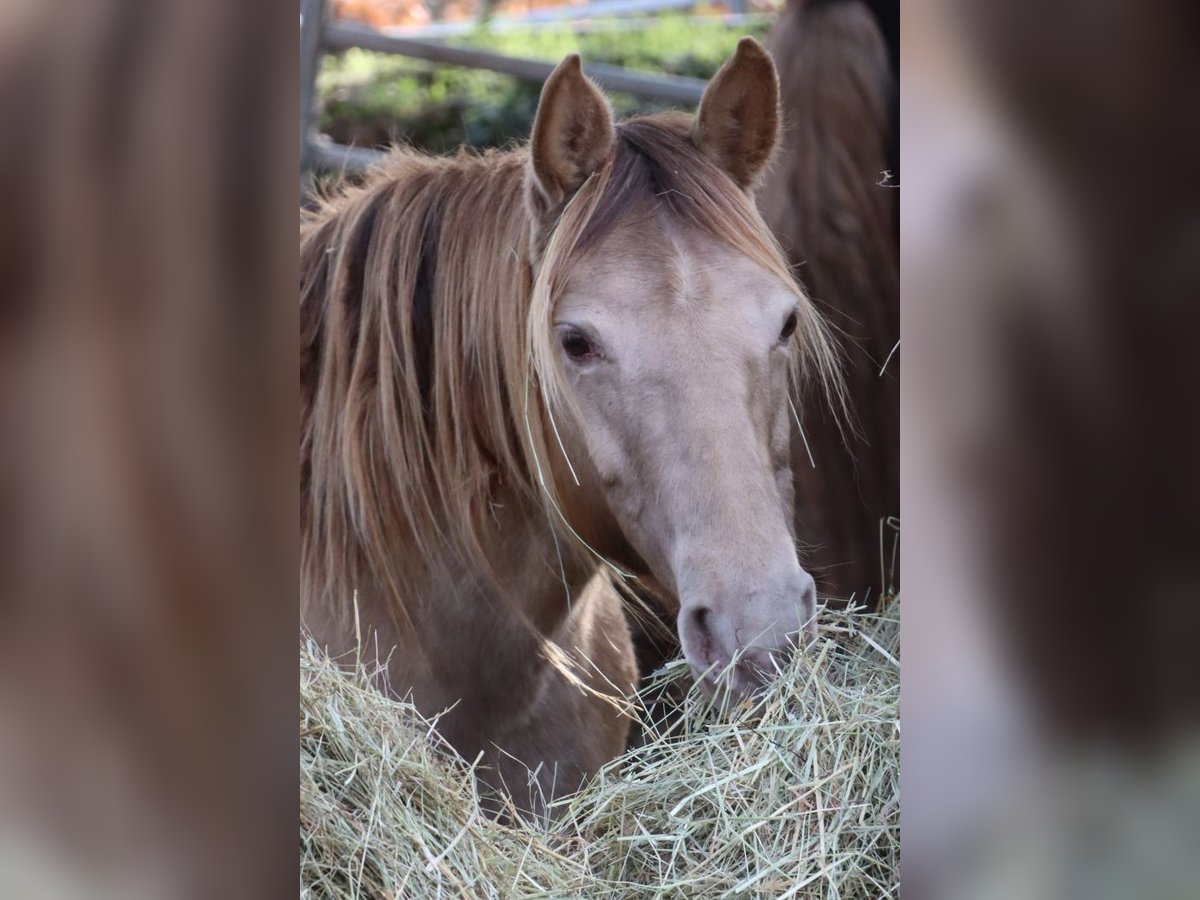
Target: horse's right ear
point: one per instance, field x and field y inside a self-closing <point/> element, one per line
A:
<point x="573" y="135"/>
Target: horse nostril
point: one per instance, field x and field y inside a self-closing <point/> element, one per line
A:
<point x="696" y="634"/>
<point x="808" y="606"/>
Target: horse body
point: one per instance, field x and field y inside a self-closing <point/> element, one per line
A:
<point x="827" y="201"/>
<point x="471" y="637"/>
<point x="521" y="371"/>
<point x="469" y="654"/>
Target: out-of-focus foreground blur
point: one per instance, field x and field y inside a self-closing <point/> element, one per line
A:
<point x="1050" y="286"/>
<point x="148" y="498"/>
<point x="1051" y="267"/>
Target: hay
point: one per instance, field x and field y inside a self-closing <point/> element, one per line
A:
<point x="798" y="798"/>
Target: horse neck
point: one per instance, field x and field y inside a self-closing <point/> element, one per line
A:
<point x="478" y="633"/>
<point x="533" y="572"/>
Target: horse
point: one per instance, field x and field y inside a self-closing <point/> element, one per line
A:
<point x="529" y="375"/>
<point x="832" y="200"/>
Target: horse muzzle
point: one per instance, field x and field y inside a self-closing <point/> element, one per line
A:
<point x="735" y="648"/>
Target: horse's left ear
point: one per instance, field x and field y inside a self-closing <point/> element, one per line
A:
<point x="737" y="125"/>
<point x="573" y="134"/>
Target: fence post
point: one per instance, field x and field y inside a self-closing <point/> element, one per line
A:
<point x="312" y="22"/>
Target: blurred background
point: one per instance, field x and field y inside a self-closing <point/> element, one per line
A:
<point x="1049" y="304"/>
<point x="1050" y="241"/>
<point x="438" y="75"/>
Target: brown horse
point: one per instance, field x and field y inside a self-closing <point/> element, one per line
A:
<point x="521" y="369"/>
<point x="829" y="201"/>
<point x="835" y="213"/>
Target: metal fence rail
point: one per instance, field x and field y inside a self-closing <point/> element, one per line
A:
<point x="588" y="25"/>
<point x="672" y="88"/>
<point x="317" y="35"/>
<point x="312" y="12"/>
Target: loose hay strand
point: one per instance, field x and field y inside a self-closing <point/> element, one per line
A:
<point x="797" y="796"/>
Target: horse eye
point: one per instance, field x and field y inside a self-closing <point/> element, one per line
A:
<point x="789" y="328"/>
<point x="577" y="346"/>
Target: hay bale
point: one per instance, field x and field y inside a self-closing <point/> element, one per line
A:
<point x="798" y="797"/>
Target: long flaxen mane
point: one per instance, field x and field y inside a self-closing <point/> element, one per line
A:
<point x="428" y="374"/>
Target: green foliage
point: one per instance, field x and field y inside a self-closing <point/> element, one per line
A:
<point x="370" y="99"/>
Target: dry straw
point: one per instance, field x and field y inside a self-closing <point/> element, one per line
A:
<point x="798" y="797"/>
